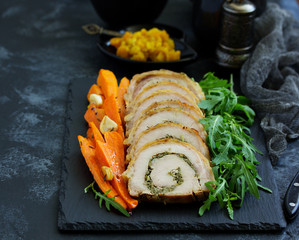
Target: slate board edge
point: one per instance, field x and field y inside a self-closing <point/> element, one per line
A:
<point x="61" y="220"/>
<point x="146" y="226"/>
<point x="65" y="225"/>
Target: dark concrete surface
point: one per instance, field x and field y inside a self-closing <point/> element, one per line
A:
<point x="42" y="49"/>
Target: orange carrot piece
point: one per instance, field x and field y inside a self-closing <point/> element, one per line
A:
<point x="89" y="134"/>
<point x="121" y="132"/>
<point x="107" y="156"/>
<point x="94" y="114"/>
<point x="122" y="89"/>
<point x="95" y="133"/>
<point x="112" y="111"/>
<point x="100" y="113"/>
<point x="108" y="83"/>
<point x="115" y="140"/>
<point x="94" y="89"/>
<point x="89" y="154"/>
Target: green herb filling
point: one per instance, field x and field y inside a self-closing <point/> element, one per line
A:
<point x="175" y="173"/>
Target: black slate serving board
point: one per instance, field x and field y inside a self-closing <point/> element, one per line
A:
<point x="80" y="211"/>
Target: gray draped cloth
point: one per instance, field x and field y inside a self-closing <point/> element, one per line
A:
<point x="270" y="78"/>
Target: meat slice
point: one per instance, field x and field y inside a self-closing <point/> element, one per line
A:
<point x="165" y="115"/>
<point x="154" y="99"/>
<point x="140" y="81"/>
<point x="151" y="88"/>
<point x="168" y="170"/>
<point x="168" y="130"/>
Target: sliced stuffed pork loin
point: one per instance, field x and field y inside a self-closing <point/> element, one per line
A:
<point x="168" y="130"/>
<point x="141" y="81"/>
<point x="168" y="170"/>
<point x="165" y="115"/>
<point x="155" y="99"/>
<point x="151" y="88"/>
<point x="167" y="157"/>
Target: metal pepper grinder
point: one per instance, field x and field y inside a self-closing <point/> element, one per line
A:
<point x="236" y="33"/>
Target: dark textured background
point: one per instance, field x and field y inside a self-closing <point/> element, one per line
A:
<point x="42" y="48"/>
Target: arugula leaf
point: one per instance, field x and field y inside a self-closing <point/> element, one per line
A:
<point x="227" y="121"/>
<point x="214" y="192"/>
<point x="108" y="201"/>
<point x="249" y="178"/>
<point x="212" y="81"/>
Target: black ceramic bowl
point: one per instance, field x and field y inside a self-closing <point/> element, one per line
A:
<point x="128" y="12"/>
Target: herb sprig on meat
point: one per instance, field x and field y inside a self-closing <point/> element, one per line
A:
<point x="227" y="121"/>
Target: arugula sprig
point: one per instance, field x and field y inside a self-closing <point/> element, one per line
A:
<point x="108" y="201"/>
<point x="227" y="121"/>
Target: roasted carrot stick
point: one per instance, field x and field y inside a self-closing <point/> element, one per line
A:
<point x="94" y="89"/>
<point x="107" y="156"/>
<point x="112" y="111"/>
<point x="89" y="134"/>
<point x="94" y="114"/>
<point x="89" y="154"/>
<point x="108" y="83"/>
<point x="122" y="89"/>
<point x="115" y="140"/>
<point x="95" y="133"/>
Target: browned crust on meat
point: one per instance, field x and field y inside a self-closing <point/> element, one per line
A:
<point x="200" y="196"/>
<point x="146" y="76"/>
<point x="131" y="133"/>
<point x="188" y="105"/>
<point x="139" y="96"/>
<point x="131" y="149"/>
